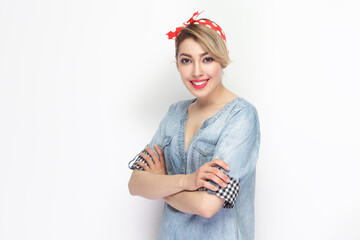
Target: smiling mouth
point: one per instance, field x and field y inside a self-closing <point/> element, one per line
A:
<point x="199" y="83"/>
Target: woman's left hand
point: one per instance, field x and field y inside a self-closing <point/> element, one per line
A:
<point x="156" y="164"/>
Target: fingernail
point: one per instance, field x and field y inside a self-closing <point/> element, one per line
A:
<point x="228" y="180"/>
<point x="215" y="188"/>
<point x="223" y="185"/>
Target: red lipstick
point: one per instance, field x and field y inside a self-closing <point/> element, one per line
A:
<point x="198" y="84"/>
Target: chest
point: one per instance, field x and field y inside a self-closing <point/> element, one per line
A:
<point x="194" y="123"/>
<point x="191" y="128"/>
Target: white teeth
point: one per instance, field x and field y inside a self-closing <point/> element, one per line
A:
<point x="199" y="83"/>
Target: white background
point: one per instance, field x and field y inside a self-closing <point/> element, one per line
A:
<point x="84" y="85"/>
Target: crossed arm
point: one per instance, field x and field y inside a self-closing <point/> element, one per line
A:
<point x="179" y="191"/>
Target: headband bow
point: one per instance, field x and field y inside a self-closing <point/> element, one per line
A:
<point x="210" y="24"/>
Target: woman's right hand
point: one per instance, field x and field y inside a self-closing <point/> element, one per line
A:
<point x="207" y="172"/>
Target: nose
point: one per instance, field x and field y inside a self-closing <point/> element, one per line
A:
<point x="197" y="70"/>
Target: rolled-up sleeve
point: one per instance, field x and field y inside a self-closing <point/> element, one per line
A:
<point x="238" y="146"/>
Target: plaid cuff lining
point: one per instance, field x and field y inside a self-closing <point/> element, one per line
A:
<point x="134" y="163"/>
<point x="229" y="193"/>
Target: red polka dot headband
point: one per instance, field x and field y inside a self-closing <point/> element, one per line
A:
<point x="204" y="22"/>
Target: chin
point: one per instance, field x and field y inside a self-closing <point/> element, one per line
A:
<point x="199" y="94"/>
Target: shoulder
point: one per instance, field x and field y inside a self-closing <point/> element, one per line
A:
<point x="241" y="108"/>
<point x="176" y="112"/>
<point x="179" y="107"/>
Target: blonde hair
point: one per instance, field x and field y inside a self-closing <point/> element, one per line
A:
<point x="209" y="39"/>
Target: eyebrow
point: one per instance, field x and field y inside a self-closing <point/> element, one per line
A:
<point x="188" y="55"/>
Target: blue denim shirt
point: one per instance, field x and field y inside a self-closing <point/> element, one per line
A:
<point x="232" y="135"/>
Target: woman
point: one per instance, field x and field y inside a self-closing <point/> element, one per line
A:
<point x="202" y="158"/>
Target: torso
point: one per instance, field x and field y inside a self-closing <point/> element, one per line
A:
<point x="201" y="133"/>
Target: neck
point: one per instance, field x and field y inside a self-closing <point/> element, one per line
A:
<point x="219" y="96"/>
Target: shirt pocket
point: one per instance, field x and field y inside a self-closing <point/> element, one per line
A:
<point x="204" y="151"/>
<point x="165" y="147"/>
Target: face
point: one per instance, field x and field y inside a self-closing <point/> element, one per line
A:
<point x="200" y="73"/>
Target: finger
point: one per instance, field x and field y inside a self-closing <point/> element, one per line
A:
<point x="143" y="165"/>
<point x="209" y="186"/>
<point x="215" y="179"/>
<point x="220" y="163"/>
<point x="160" y="153"/>
<point x="152" y="154"/>
<point x="147" y="159"/>
<point x="225" y="178"/>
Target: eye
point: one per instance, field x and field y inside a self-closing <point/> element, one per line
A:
<point x="208" y="59"/>
<point x="185" y="60"/>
